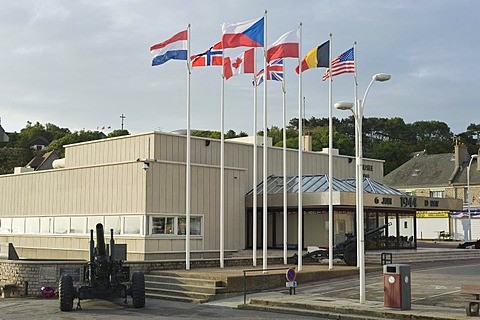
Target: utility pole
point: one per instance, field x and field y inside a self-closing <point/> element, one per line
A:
<point x="122" y="117"/>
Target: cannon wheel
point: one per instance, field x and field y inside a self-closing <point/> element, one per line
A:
<point x="138" y="290"/>
<point x="65" y="293"/>
<point x="350" y="257"/>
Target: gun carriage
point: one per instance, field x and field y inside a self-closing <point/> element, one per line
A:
<point x="105" y="277"/>
<point x="345" y="250"/>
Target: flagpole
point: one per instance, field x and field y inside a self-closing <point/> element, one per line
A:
<point x="285" y="211"/>
<point x="222" y="165"/>
<point x="265" y="148"/>
<point x="358" y="173"/>
<point x="254" y="214"/>
<point x="188" y="168"/>
<point x="300" y="152"/>
<point x="330" y="161"/>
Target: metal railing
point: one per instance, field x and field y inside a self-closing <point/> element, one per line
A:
<point x="255" y="270"/>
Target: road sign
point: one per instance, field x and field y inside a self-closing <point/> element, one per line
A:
<point x="291" y="274"/>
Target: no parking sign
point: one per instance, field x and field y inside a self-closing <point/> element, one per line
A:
<point x="291" y="276"/>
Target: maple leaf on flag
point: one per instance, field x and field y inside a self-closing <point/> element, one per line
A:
<point x="237" y="63"/>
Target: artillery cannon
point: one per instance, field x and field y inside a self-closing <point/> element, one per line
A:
<point x="345" y="250"/>
<point x="104" y="277"/>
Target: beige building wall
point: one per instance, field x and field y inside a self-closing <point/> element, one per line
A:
<point x="106" y="178"/>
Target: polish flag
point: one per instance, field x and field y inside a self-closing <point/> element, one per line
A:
<point x="285" y="47"/>
<point x="243" y="63"/>
<point x="244" y="34"/>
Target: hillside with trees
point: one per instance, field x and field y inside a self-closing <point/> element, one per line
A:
<point x="389" y="139"/>
<point x="18" y="151"/>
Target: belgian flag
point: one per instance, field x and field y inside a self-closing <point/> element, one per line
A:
<point x="317" y="57"/>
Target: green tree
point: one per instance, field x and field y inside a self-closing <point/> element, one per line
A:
<point x="118" y="133"/>
<point x="75" y="137"/>
<point x="395" y="153"/>
<point x="14" y="157"/>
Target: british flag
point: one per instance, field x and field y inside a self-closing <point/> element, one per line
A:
<point x="275" y="72"/>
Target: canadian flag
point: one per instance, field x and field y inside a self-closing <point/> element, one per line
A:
<point x="243" y="63"/>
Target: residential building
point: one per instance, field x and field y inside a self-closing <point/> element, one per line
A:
<point x="442" y="176"/>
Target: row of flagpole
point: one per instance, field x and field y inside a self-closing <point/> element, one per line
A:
<point x="251" y="34"/>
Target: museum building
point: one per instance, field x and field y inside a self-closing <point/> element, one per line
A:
<point x="135" y="185"/>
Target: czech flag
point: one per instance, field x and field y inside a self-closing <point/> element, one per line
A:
<point x="173" y="48"/>
<point x="243" y="34"/>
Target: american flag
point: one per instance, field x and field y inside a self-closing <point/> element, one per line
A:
<point x="344" y="63"/>
<point x="211" y="57"/>
<point x="275" y="72"/>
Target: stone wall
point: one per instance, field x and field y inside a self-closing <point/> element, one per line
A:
<point x="30" y="276"/>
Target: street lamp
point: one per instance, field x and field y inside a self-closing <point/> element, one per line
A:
<point x="358" y="115"/>
<point x="474" y="156"/>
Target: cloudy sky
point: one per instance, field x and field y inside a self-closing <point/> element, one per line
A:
<point x="81" y="64"/>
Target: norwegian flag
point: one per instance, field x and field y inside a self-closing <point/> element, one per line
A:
<point x="211" y="57"/>
<point x="274" y="72"/>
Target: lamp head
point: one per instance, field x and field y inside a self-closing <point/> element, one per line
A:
<point x="381" y="77"/>
<point x="146" y="165"/>
<point x="343" y="105"/>
<point x="474" y="156"/>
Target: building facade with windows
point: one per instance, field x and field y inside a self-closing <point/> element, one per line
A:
<point x="442" y="176"/>
<point x="135" y="185"/>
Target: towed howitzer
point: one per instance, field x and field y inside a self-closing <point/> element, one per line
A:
<point x="345" y="250"/>
<point x="105" y="277"/>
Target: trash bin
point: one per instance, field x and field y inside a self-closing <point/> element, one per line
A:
<point x="396" y="286"/>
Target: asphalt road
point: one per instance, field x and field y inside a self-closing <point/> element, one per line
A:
<point x="38" y="308"/>
<point x="436" y="284"/>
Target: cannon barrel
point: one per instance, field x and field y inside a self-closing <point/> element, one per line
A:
<point x="100" y="240"/>
<point x="377" y="231"/>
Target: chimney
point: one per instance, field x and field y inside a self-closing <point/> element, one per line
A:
<point x="461" y="154"/>
<point x="307" y="142"/>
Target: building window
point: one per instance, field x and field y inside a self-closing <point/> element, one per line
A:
<point x="195" y="226"/>
<point x="5" y="225"/>
<point x="46" y="225"/>
<point x="92" y="222"/>
<point x="77" y="225"/>
<point x="32" y="225"/>
<point x="437" y="194"/>
<point x="132" y="225"/>
<point x="162" y="225"/>
<point x="175" y="226"/>
<point x="61" y="225"/>
<point x="112" y="222"/>
<point x="18" y="225"/>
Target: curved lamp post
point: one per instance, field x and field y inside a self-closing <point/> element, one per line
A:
<point x="358" y="115"/>
<point x="474" y="156"/>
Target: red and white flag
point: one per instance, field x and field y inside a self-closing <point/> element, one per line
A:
<point x="285" y="47"/>
<point x="243" y="63"/>
<point x="211" y="57"/>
